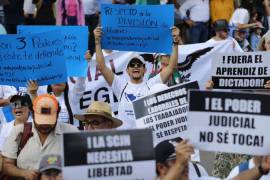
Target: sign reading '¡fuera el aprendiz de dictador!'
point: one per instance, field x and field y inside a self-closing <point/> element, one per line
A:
<point x="109" y="155"/>
<point x="241" y="70"/>
<point x="234" y="122"/>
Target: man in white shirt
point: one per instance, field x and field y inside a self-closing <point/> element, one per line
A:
<point x="199" y="15"/>
<point x="128" y="91"/>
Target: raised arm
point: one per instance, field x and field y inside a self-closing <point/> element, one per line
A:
<point x="167" y="72"/>
<point x="257" y="172"/>
<point x="183" y="152"/>
<point x="105" y="71"/>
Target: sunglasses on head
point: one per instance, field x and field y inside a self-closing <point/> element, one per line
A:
<point x="136" y="64"/>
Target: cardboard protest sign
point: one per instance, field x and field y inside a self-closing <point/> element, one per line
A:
<point x="75" y="40"/>
<point x="142" y="28"/>
<point x="241" y="70"/>
<point x="25" y="57"/>
<point x="164" y="112"/>
<point x="234" y="122"/>
<point x="114" y="155"/>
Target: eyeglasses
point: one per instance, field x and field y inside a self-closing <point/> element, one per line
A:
<point x="95" y="122"/>
<point x="133" y="65"/>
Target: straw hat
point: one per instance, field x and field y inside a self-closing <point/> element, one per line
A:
<point x="98" y="108"/>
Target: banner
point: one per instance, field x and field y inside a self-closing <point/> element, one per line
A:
<point x="241" y="70"/>
<point x="111" y="155"/>
<point x="25" y="57"/>
<point x="194" y="65"/>
<point x="195" y="60"/>
<point x="164" y="112"/>
<point x="141" y="28"/>
<point x="75" y="40"/>
<point x="233" y="122"/>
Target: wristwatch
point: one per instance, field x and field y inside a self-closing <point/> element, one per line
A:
<point x="262" y="171"/>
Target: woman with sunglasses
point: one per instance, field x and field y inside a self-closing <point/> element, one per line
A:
<point x="21" y="109"/>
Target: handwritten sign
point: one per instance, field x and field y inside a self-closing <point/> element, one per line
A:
<point x="164" y="112"/>
<point x="24" y="57"/>
<point x="241" y="70"/>
<point x="109" y="155"/>
<point x="233" y="122"/>
<point x="75" y="45"/>
<point x="143" y="28"/>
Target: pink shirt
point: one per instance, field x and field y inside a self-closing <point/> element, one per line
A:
<point x="72" y="8"/>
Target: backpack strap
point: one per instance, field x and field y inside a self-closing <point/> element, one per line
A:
<point x="243" y="166"/>
<point x="197" y="169"/>
<point x="25" y="136"/>
<point x="122" y="92"/>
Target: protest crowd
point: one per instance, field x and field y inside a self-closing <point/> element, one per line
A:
<point x="134" y="89"/>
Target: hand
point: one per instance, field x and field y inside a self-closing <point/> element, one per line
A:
<point x="98" y="34"/>
<point x="190" y="22"/>
<point x="25" y="15"/>
<point x="30" y="174"/>
<point x="183" y="152"/>
<point x="32" y="87"/>
<point x="176" y="34"/>
<point x="87" y="56"/>
<point x="209" y="85"/>
<point x="266" y="163"/>
<point x="267" y="85"/>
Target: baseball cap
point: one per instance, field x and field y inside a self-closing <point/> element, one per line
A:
<point x="45" y="109"/>
<point x="23" y="98"/>
<point x="221" y="24"/>
<point x="165" y="150"/>
<point x="50" y="162"/>
<point x="139" y="59"/>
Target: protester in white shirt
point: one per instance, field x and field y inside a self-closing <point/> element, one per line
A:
<point x="128" y="91"/>
<point x="68" y="99"/>
<point x="199" y="15"/>
<point x="21" y="109"/>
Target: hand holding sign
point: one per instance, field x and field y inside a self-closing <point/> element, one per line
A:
<point x="98" y="34"/>
<point x="183" y="152"/>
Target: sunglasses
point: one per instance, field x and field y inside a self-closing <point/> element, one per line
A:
<point x="136" y="64"/>
<point x="18" y="104"/>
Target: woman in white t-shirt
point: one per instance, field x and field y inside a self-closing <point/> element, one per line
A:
<point x="68" y="99"/>
<point x="21" y="109"/>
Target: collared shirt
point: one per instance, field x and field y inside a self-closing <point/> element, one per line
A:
<point x="33" y="151"/>
<point x="199" y="10"/>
